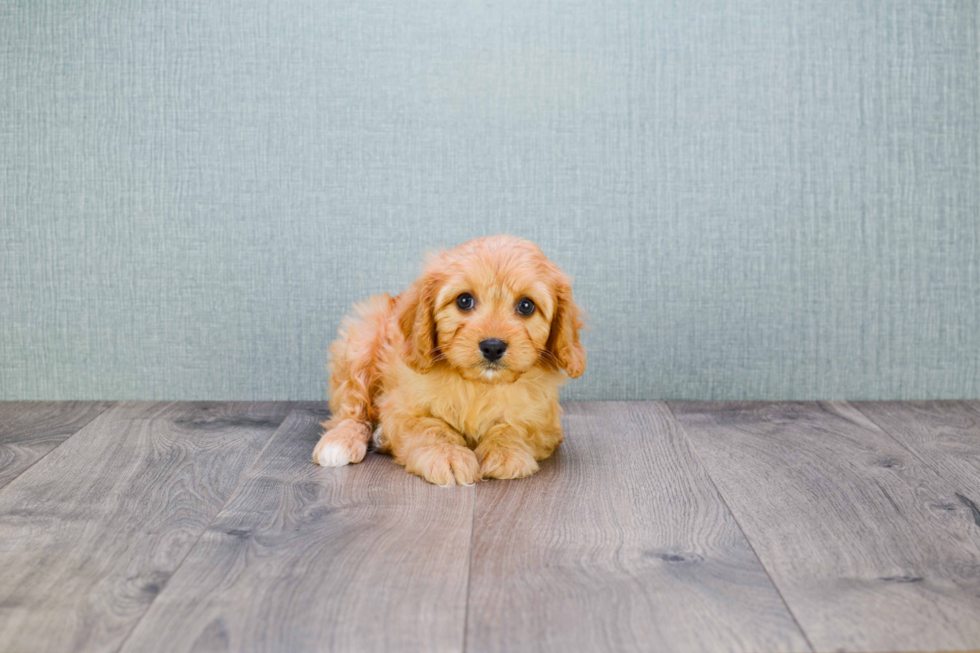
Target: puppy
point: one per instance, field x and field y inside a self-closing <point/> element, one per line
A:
<point x="458" y="377"/>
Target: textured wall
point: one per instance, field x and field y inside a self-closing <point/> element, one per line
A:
<point x="757" y="199"/>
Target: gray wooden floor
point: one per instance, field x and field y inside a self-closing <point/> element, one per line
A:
<point x="656" y="527"/>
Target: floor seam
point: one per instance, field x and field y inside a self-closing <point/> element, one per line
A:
<point x="891" y="437"/>
<point x="204" y="530"/>
<point x="105" y="410"/>
<point x="779" y="592"/>
<point x="469" y="570"/>
<point x="930" y="466"/>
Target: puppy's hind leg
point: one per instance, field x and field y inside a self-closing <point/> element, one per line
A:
<point x="344" y="442"/>
<point x="347" y="432"/>
<point x="353" y="368"/>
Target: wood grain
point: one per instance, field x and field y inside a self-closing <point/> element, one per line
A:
<point x="870" y="547"/>
<point x="91" y="533"/>
<point x="944" y="434"/>
<point x="620" y="543"/>
<point x="31" y="429"/>
<point x="307" y="558"/>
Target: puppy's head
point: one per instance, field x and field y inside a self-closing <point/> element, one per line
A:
<point x="492" y="309"/>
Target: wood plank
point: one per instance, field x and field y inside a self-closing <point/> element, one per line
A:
<point x="620" y="543"/>
<point x="944" y="434"/>
<point x="870" y="547"/>
<point x="92" y="532"/>
<point x="31" y="429"/>
<point x="307" y="558"/>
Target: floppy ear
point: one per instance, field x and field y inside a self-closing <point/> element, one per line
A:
<point x="565" y="324"/>
<point x="417" y="322"/>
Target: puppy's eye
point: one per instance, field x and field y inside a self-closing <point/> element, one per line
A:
<point x="525" y="306"/>
<point x="465" y="302"/>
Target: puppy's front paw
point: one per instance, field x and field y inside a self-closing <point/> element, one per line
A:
<point x="506" y="463"/>
<point x="344" y="443"/>
<point x="444" y="464"/>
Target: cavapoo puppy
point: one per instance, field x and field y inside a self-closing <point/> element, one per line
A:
<point x="458" y="376"/>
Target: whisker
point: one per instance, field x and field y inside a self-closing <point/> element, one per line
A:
<point x="544" y="353"/>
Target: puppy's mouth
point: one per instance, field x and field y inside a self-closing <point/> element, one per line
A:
<point x="490" y="371"/>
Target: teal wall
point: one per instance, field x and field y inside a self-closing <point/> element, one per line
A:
<point x="756" y="199"/>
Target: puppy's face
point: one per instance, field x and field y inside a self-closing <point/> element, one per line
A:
<point x="492" y="309"/>
<point x="490" y="324"/>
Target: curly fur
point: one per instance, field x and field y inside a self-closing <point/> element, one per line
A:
<point x="407" y="372"/>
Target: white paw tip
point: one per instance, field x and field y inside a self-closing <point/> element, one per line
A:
<point x="333" y="455"/>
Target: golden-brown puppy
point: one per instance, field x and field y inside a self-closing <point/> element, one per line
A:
<point x="458" y="376"/>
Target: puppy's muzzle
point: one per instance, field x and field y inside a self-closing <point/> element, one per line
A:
<point x="493" y="349"/>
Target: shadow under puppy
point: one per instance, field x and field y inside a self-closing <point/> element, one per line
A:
<point x="458" y="376"/>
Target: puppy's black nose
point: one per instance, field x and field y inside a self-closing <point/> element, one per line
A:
<point x="493" y="349"/>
